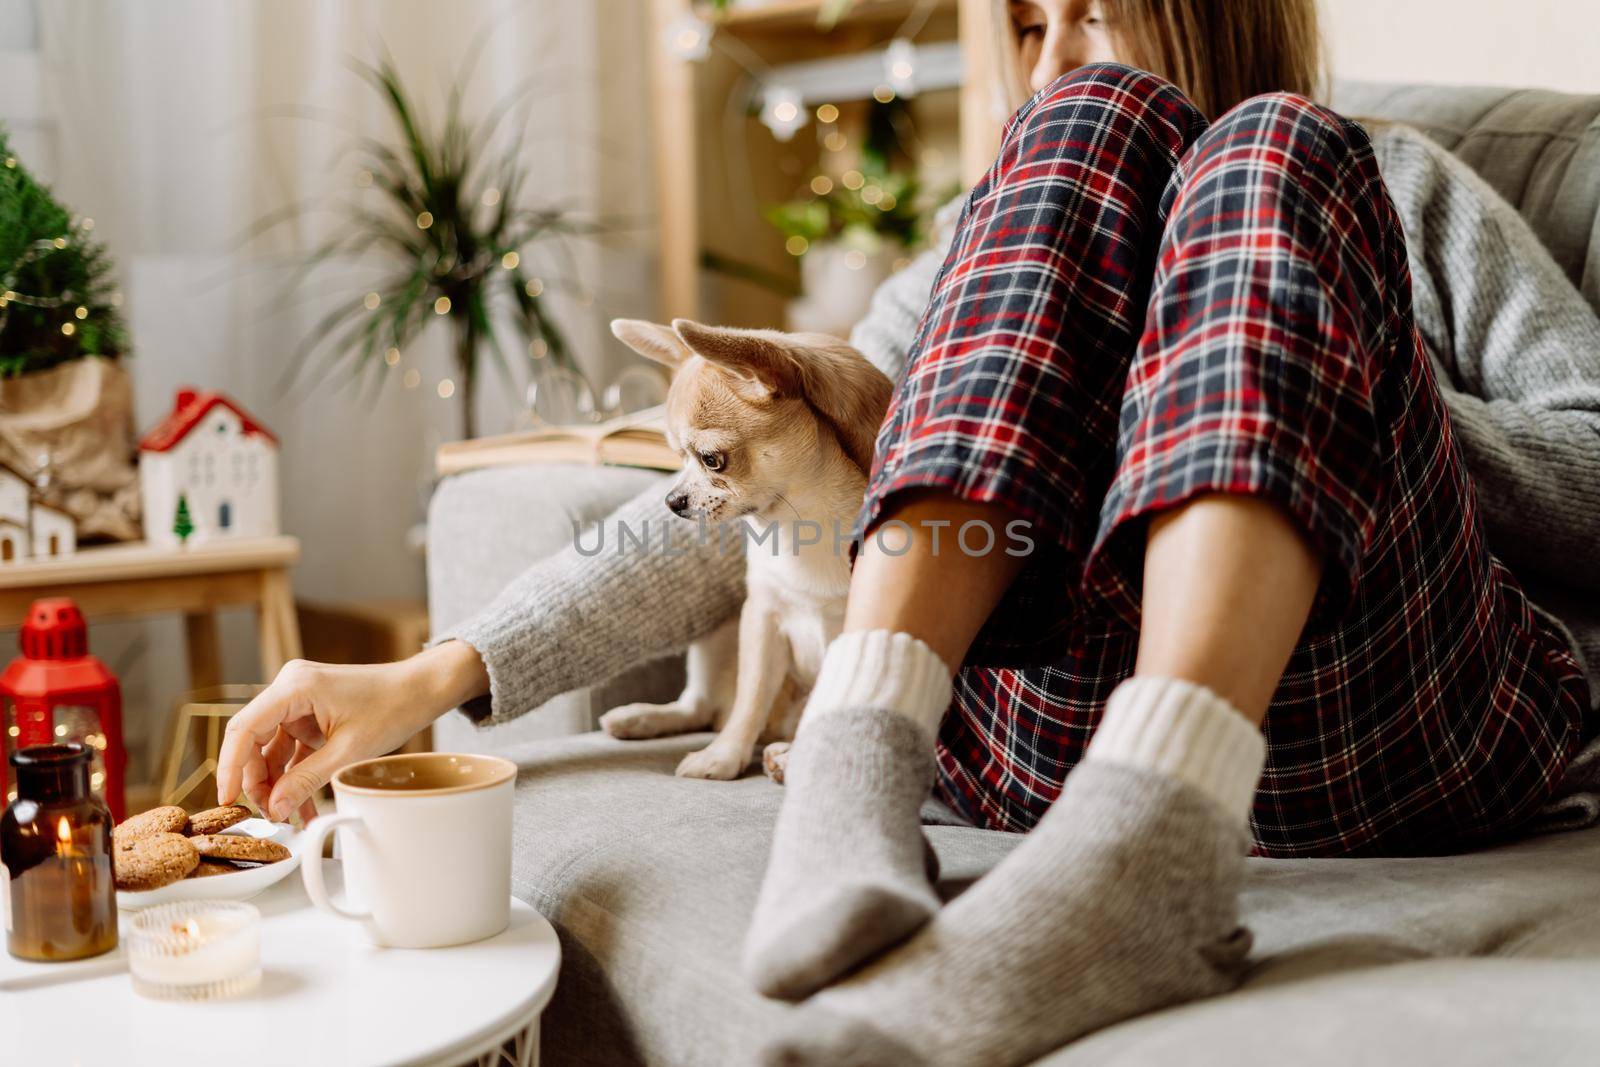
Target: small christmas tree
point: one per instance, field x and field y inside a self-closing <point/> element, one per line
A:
<point x="182" y="525"/>
<point x="58" y="300"/>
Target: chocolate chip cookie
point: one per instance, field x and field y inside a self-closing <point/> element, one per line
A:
<point x="151" y="862"/>
<point x="168" y="819"/>
<point x="238" y="847"/>
<point x="215" y="820"/>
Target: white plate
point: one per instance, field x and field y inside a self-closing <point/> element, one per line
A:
<point x="240" y="885"/>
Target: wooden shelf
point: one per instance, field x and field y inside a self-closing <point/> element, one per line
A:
<point x="804" y="14"/>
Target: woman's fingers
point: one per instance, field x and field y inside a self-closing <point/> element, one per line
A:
<point x="252" y="728"/>
<point x="307" y="772"/>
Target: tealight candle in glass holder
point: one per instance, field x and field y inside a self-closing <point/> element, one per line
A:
<point x="195" y="950"/>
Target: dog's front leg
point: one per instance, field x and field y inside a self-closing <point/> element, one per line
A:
<point x="707" y="692"/>
<point x="763" y="665"/>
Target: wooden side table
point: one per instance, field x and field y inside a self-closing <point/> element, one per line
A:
<point x="135" y="579"/>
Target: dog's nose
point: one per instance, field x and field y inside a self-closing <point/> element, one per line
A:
<point x="678" y="501"/>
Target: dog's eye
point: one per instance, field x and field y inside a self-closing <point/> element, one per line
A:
<point x="713" y="461"/>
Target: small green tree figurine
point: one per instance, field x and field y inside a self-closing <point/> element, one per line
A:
<point x="182" y="525"/>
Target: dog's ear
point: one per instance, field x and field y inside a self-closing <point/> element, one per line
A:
<point x="652" y="341"/>
<point x="750" y="355"/>
<point x="848" y="392"/>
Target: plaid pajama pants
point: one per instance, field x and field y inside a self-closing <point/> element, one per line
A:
<point x="1139" y="308"/>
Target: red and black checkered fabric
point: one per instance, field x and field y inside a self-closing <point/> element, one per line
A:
<point x="1139" y="308"/>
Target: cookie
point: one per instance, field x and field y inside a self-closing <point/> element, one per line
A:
<point x="210" y="868"/>
<point x="238" y="847"/>
<point x="215" y="820"/>
<point x="168" y="819"/>
<point x="152" y="862"/>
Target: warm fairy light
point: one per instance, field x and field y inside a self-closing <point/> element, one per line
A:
<point x="63" y="830"/>
<point x="14" y="731"/>
<point x="883" y="94"/>
<point x="363" y="178"/>
<point x="87" y="223"/>
<point x="902" y="69"/>
<point x="786" y="111"/>
<point x="688" y="37"/>
<point x="782" y="111"/>
<point x="11" y="162"/>
<point x="447" y="389"/>
<point x="391" y="356"/>
<point x="852" y="179"/>
<point x="827" y="113"/>
<point x="822" y="185"/>
<point x="490" y="197"/>
<point x="11" y="294"/>
<point x="441" y="306"/>
<point x="97" y="779"/>
<point x="871" y="194"/>
<point x="510" y="260"/>
<point x="538" y="348"/>
<point x="424" y="220"/>
<point x="796" y="245"/>
<point x="886" y="202"/>
<point x="371" y="301"/>
<point x="855" y="259"/>
<point x="412" y="379"/>
<point x="60" y="242"/>
<point x="61" y="730"/>
<point x="68" y="329"/>
<point x="534" y="287"/>
<point x="834" y="142"/>
<point x="81" y="312"/>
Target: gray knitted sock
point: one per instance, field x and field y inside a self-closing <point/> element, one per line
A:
<point x="847" y="875"/>
<point x="1121" y="901"/>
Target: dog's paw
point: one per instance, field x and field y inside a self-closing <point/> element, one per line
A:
<point x="635" y="722"/>
<point x="721" y="762"/>
<point x="775" y="759"/>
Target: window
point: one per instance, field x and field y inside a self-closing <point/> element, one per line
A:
<point x="225" y="515"/>
<point x="55" y="545"/>
<point x="8" y="549"/>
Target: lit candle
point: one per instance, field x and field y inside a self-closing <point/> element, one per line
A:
<point x="195" y="950"/>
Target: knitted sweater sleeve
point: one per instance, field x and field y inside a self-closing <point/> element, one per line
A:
<point x="1518" y="349"/>
<point x="601" y="605"/>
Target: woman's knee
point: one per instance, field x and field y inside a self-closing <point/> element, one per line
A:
<point x="1099" y="93"/>
<point x="1294" y="125"/>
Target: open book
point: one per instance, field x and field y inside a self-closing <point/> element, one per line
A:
<point x="638" y="439"/>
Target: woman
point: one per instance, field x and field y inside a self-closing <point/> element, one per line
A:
<point x="1175" y="332"/>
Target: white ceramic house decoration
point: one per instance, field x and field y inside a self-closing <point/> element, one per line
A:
<point x="28" y="527"/>
<point x="223" y="464"/>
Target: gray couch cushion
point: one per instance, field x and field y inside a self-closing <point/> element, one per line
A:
<point x="1490" y="958"/>
<point x="1538" y="149"/>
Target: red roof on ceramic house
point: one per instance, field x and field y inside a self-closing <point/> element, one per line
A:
<point x="188" y="408"/>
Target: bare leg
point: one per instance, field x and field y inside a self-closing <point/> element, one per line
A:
<point x="1228" y="584"/>
<point x="929" y="588"/>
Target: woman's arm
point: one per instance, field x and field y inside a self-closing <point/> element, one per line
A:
<point x="1519" y="350"/>
<point x="601" y="605"/>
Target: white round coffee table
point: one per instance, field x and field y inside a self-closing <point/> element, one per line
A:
<point x="327" y="997"/>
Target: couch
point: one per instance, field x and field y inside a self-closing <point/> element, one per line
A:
<point x="1491" y="958"/>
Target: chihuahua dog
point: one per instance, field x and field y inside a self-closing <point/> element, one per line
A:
<point x="776" y="430"/>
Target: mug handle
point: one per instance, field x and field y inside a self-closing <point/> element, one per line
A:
<point x="311" y="864"/>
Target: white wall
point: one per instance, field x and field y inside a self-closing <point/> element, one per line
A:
<point x="1553" y="44"/>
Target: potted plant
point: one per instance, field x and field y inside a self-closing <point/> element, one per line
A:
<point x="66" y="406"/>
<point x="455" y="228"/>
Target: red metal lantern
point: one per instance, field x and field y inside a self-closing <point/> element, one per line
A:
<point x="55" y="691"/>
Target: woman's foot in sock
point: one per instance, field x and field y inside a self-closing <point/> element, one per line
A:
<point x="1123" y="900"/>
<point x="848" y="872"/>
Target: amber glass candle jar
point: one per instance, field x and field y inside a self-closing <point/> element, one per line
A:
<point x="55" y="845"/>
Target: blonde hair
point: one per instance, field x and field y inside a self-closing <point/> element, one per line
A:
<point x="1219" y="52"/>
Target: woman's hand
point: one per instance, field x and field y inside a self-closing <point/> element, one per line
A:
<point x="317" y="717"/>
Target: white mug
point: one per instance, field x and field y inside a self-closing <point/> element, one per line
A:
<point x="426" y="844"/>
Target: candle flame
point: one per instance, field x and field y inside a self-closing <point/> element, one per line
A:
<point x="64" y="830"/>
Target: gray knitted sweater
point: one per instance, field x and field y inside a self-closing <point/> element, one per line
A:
<point x="1518" y="355"/>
